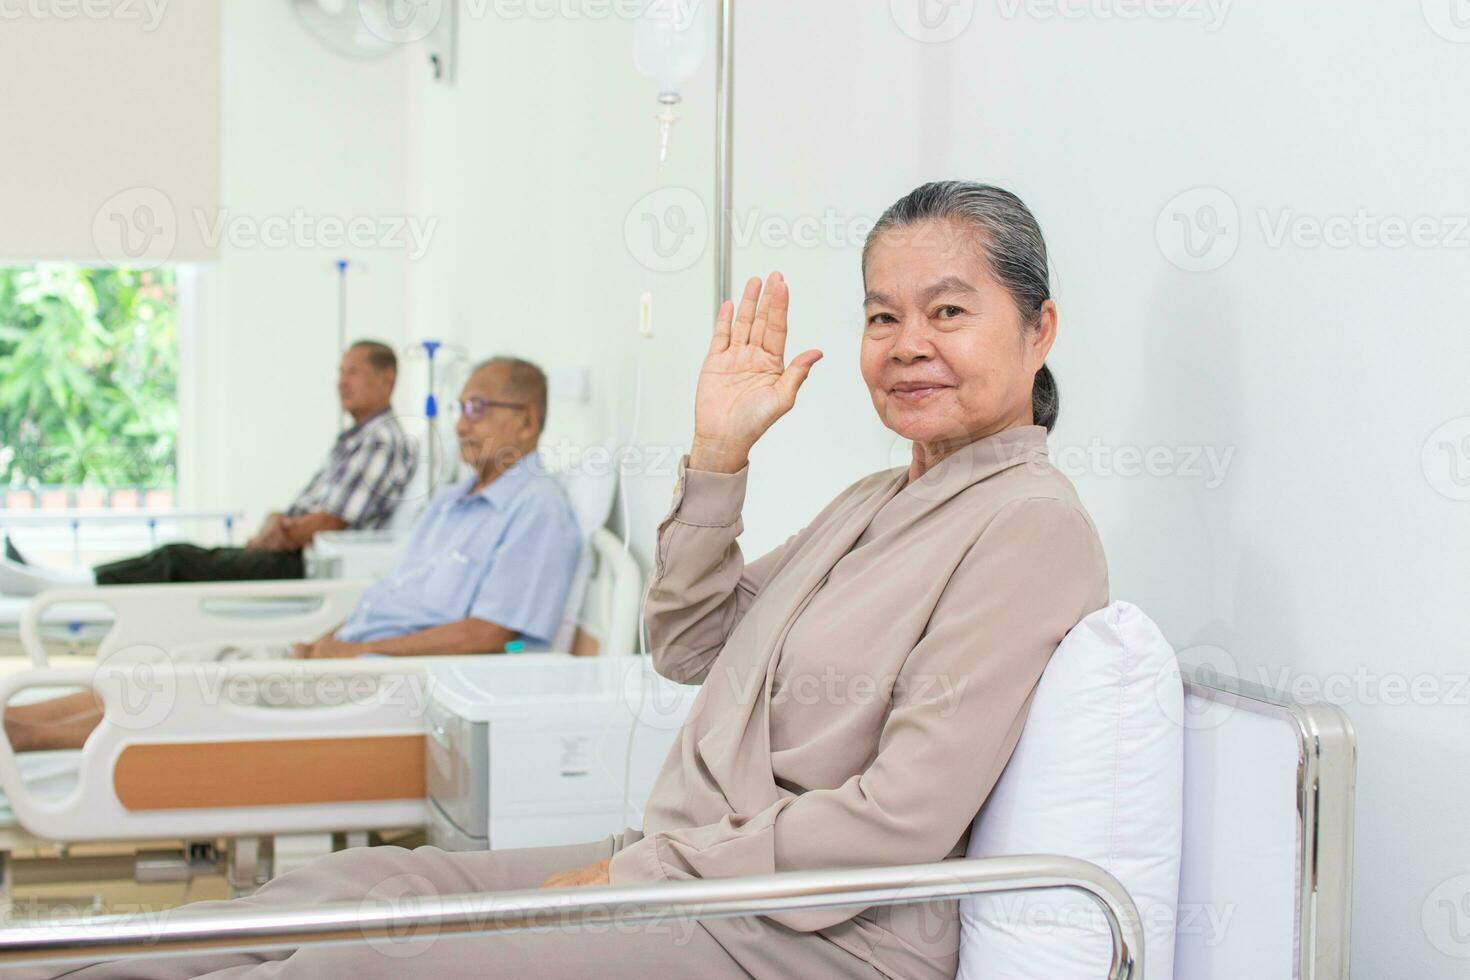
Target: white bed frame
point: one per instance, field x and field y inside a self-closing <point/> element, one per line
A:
<point x="193" y="622"/>
<point x="426" y="919"/>
<point x="147" y="704"/>
<point x="1268" y="838"/>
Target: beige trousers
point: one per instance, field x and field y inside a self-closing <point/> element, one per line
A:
<point x="654" y="951"/>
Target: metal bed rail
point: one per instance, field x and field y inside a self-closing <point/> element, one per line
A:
<point x="423" y="919"/>
<point x="185" y="607"/>
<point x="73" y="518"/>
<point x="1326" y="789"/>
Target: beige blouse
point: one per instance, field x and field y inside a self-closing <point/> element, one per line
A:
<point x="862" y="685"/>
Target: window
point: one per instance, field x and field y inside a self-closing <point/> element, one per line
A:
<point x="88" y="386"/>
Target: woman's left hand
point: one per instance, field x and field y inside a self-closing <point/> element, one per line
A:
<point x="592" y="874"/>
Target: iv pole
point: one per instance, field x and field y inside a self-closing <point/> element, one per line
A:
<point x="724" y="148"/>
<point x="341" y="322"/>
<point x="431" y="414"/>
<point x="341" y="305"/>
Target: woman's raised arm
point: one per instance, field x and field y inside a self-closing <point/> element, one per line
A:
<point x="701" y="584"/>
<point x="745" y="384"/>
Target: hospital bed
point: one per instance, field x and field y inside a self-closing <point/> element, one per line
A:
<point x="152" y="625"/>
<point x="353" y="556"/>
<point x="230" y="620"/>
<point x="83" y="623"/>
<point x="187" y="768"/>
<point x="276" y="759"/>
<point x="151" y="518"/>
<point x="1266" y="823"/>
<point x="78" y="626"/>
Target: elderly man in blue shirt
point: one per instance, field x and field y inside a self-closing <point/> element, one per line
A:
<point x="491" y="560"/>
<point x="489" y="563"/>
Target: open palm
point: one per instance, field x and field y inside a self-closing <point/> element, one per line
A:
<point x="745" y="384"/>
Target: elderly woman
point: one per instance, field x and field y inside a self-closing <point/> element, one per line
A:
<point x="863" y="685"/>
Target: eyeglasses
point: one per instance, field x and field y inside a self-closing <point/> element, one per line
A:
<point x="473" y="409"/>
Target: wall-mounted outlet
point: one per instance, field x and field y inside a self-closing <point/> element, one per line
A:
<point x="645" y="316"/>
<point x="569" y="384"/>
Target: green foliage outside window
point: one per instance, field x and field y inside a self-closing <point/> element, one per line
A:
<point x="88" y="376"/>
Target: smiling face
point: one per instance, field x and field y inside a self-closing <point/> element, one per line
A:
<point x="946" y="355"/>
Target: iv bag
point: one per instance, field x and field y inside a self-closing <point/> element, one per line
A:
<point x="668" y="44"/>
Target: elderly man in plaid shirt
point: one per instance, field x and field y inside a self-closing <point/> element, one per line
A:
<point x="360" y="486"/>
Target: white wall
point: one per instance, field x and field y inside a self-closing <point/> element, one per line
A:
<point x="311" y="142"/>
<point x="1325" y="551"/>
<point x="539" y="165"/>
<point x="531" y="164"/>
<point x="1314" y="375"/>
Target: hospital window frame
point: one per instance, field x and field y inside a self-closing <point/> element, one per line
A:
<point x="191" y="281"/>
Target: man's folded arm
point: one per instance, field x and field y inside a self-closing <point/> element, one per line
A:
<point x="470" y="635"/>
<point x="300" y="530"/>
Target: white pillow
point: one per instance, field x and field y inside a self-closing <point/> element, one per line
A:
<point x="1098" y="774"/>
<point x="591" y="496"/>
<point x="590" y="491"/>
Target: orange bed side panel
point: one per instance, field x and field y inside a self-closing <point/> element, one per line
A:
<point x="270" y="773"/>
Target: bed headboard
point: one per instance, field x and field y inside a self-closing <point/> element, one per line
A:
<point x="1266" y="883"/>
